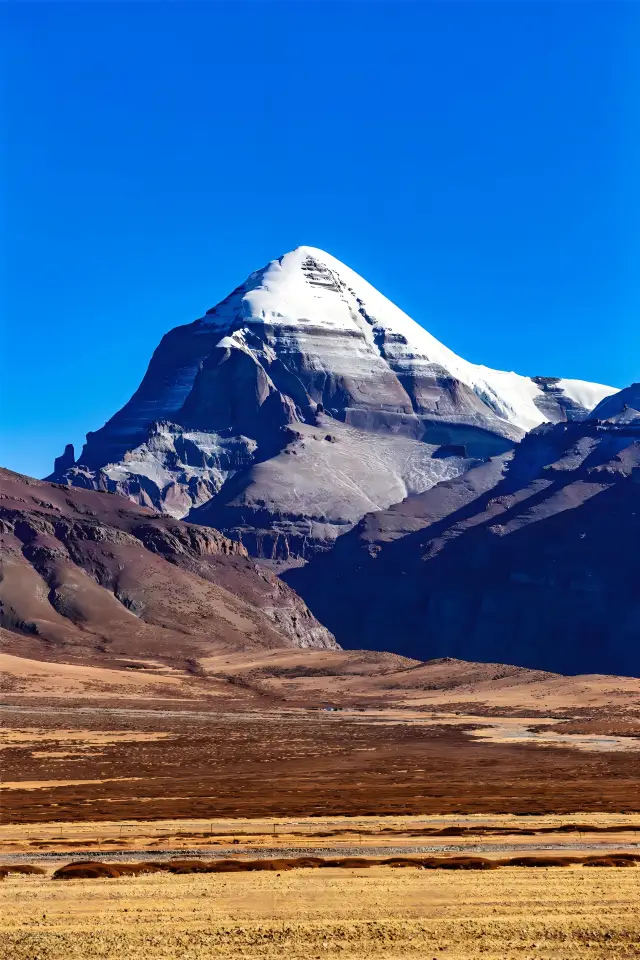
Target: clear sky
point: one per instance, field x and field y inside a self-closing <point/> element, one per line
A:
<point x="477" y="162"/>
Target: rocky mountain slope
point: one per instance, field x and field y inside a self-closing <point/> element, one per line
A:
<point x="302" y="401"/>
<point x="620" y="407"/>
<point x="93" y="576"/>
<point x="528" y="559"/>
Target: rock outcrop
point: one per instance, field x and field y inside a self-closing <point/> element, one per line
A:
<point x="66" y="461"/>
<point x="620" y="407"/>
<point x="230" y="423"/>
<point x="530" y="558"/>
<point x="93" y="575"/>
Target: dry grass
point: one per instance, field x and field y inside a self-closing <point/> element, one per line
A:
<point x="310" y="764"/>
<point x="508" y="914"/>
<point x="33" y="679"/>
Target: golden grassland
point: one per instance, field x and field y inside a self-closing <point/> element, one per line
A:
<point x="560" y="913"/>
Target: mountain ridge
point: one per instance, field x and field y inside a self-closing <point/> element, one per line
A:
<point x="93" y="575"/>
<point x="231" y="405"/>
<point x="527" y="559"/>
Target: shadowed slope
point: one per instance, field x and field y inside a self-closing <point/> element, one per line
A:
<point x="530" y="560"/>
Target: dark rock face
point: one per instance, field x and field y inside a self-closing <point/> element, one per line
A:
<point x="555" y="404"/>
<point x="98" y="573"/>
<point x="223" y="428"/>
<point x="528" y="559"/>
<point x="66" y="461"/>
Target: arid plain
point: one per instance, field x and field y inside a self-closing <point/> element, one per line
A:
<point x="271" y="755"/>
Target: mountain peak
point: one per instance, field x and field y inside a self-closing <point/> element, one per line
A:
<point x="310" y="292"/>
<point x="306" y="395"/>
<point x="307" y="251"/>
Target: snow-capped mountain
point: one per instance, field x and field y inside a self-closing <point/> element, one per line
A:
<point x="302" y="401"/>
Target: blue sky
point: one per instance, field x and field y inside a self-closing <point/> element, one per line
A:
<point x="477" y="162"/>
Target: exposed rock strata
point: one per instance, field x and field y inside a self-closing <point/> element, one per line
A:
<point x="221" y="428"/>
<point x="97" y="574"/>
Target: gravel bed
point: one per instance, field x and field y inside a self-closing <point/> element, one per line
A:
<point x="250" y="853"/>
